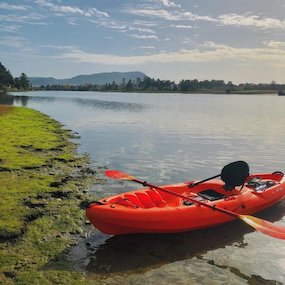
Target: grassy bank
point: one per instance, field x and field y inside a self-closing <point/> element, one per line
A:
<point x="41" y="188"/>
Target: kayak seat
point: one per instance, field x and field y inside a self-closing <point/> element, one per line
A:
<point x="122" y="201"/>
<point x="211" y="195"/>
<point x="145" y="200"/>
<point x="134" y="200"/>
<point x="156" y="198"/>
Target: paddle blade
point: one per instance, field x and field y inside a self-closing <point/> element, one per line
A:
<point x="115" y="174"/>
<point x="265" y="227"/>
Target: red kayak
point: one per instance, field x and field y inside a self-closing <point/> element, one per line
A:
<point x="186" y="206"/>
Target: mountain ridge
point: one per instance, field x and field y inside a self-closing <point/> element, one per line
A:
<point x="94" y="79"/>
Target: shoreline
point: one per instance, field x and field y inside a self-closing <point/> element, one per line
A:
<point x="200" y="91"/>
<point x="44" y="185"/>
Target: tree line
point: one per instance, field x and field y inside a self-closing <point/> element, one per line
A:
<point x="145" y="84"/>
<point x="8" y="81"/>
<point x="148" y="84"/>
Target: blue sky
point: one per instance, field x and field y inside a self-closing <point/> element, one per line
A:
<point x="233" y="40"/>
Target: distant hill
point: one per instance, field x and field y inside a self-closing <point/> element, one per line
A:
<point x="94" y="79"/>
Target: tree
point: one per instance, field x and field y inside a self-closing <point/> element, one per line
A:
<point x="6" y="79"/>
<point x="129" y="85"/>
<point x="17" y="83"/>
<point x="24" y="81"/>
<point x="114" y="85"/>
<point x="185" y="85"/>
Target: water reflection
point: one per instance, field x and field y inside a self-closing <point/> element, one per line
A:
<point x="112" y="105"/>
<point x="22" y="100"/>
<point x="132" y="252"/>
<point x="6" y="99"/>
<point x="261" y="259"/>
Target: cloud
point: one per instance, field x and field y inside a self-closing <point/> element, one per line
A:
<point x="208" y="52"/>
<point x="182" y="26"/>
<point x="72" y="22"/>
<point x="110" y="24"/>
<point x="143" y="30"/>
<point x="264" y="54"/>
<point x="9" y="28"/>
<point x="59" y="47"/>
<point x="147" y="47"/>
<point x="275" y="44"/>
<point x="168" y="3"/>
<point x="245" y="20"/>
<point x="136" y="36"/>
<point x="126" y="27"/>
<point x="7" y="6"/>
<point x="155" y="13"/>
<point x="90" y="12"/>
<point x="251" y="21"/>
<point x="145" y="23"/>
<point x="11" y="41"/>
<point x="31" y="18"/>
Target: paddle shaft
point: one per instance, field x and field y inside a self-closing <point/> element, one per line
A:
<point x="213" y="207"/>
<point x="202" y="181"/>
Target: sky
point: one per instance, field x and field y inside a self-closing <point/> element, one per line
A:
<point x="232" y="40"/>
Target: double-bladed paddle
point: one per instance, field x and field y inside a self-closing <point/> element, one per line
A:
<point x="260" y="225"/>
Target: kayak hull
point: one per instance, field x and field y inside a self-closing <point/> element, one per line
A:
<point x="150" y="210"/>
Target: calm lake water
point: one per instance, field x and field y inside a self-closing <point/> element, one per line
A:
<point x="167" y="138"/>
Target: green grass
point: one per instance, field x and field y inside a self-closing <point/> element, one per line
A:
<point x="41" y="183"/>
<point x="30" y="139"/>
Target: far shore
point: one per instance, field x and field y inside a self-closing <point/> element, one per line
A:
<point x="201" y="91"/>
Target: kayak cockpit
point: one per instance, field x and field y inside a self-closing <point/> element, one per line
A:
<point x="206" y="192"/>
<point x="150" y="198"/>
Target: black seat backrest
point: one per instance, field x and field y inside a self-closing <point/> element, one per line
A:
<point x="235" y="174"/>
